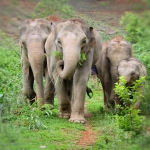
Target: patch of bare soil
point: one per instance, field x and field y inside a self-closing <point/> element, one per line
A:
<point x="108" y="12"/>
<point x="12" y="12"/>
<point x="88" y="137"/>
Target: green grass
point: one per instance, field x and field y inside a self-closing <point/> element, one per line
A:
<point x="26" y="127"/>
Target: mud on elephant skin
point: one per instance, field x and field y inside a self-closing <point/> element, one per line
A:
<point x="132" y="69"/>
<point x="112" y="53"/>
<point x="70" y="38"/>
<point x="33" y="35"/>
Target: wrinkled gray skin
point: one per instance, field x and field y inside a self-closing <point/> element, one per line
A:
<point x="112" y="53"/>
<point x="70" y="38"/>
<point x="132" y="69"/>
<point x="33" y="35"/>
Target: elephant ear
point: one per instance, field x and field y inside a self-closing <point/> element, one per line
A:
<point x="142" y="70"/>
<point x="50" y="43"/>
<point x="23" y="27"/>
<point x="106" y="56"/>
<point x="130" y="47"/>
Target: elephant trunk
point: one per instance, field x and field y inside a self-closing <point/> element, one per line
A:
<point x="128" y="80"/>
<point x="67" y="66"/>
<point x="36" y="59"/>
<point x="113" y="81"/>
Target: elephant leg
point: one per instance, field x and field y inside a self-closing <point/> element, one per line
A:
<point x="69" y="88"/>
<point x="63" y="99"/>
<point x="37" y="68"/>
<point x="77" y="104"/>
<point x="39" y="89"/>
<point x="49" y="90"/>
<point x="28" y="81"/>
<point x="80" y="80"/>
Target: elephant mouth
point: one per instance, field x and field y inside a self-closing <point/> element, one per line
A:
<point x="60" y="66"/>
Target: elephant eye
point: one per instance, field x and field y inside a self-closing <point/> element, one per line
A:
<point x="24" y="44"/>
<point x="84" y="41"/>
<point x="59" y="42"/>
<point x="132" y="73"/>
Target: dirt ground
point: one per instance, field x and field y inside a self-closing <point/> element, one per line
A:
<point x="12" y="12"/>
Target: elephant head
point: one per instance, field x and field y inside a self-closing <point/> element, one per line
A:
<point x="132" y="69"/>
<point x="33" y="35"/>
<point x="70" y="38"/>
<point x="117" y="49"/>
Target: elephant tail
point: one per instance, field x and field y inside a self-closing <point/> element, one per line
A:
<point x="89" y="92"/>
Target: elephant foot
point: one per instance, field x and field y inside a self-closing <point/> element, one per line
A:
<point x="77" y="118"/>
<point x="65" y="115"/>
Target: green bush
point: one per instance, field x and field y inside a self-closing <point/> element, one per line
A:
<point x="127" y="116"/>
<point x="10" y="69"/>
<point x="138" y="33"/>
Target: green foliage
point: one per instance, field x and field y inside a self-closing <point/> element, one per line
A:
<point x="128" y="117"/>
<point x="60" y="56"/>
<point x="10" y="60"/>
<point x="59" y="8"/>
<point x="134" y="30"/>
<point x="147" y="2"/>
<point x="57" y="54"/>
<point x="129" y="94"/>
<point x="82" y="58"/>
<point x="33" y="120"/>
<point x="104" y="4"/>
<point x="138" y="33"/>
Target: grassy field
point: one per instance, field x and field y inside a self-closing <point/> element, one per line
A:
<point x="25" y="127"/>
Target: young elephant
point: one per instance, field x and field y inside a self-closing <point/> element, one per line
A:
<point x="33" y="35"/>
<point x="132" y="69"/>
<point x="112" y="53"/>
<point x="72" y="39"/>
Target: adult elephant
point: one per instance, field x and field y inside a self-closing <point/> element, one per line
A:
<point x="112" y="53"/>
<point x="132" y="69"/>
<point x="78" y="46"/>
<point x="33" y="35"/>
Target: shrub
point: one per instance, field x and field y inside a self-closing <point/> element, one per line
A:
<point x="128" y="117"/>
<point x="138" y="33"/>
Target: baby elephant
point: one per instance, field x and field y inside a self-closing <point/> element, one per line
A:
<point x="132" y="69"/>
